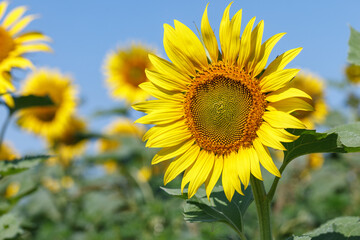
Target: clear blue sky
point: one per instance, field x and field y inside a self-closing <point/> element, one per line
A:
<point x="83" y="32"/>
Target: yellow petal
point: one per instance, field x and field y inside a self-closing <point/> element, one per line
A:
<point x="13" y="16"/>
<point x="200" y="171"/>
<point x="267" y="139"/>
<point x="161" y="117"/>
<point x="254" y="163"/>
<point x="191" y="44"/>
<point x="214" y="174"/>
<point x="277" y="80"/>
<point x="3" y="7"/>
<point x="17" y="62"/>
<point x="281" y="61"/>
<point x="290" y="105"/>
<point x="169" y="69"/>
<point x="226" y="178"/>
<point x="209" y="37"/>
<point x="233" y="161"/>
<point x="20" y="25"/>
<point x="224" y="32"/>
<point x="285" y="93"/>
<point x="169" y="139"/>
<point x="160" y="93"/>
<point x="244" y="167"/>
<point x="31" y="48"/>
<point x="256" y="38"/>
<point x="278" y="119"/>
<point x="156" y="105"/>
<point x="165" y="81"/>
<point x="245" y="44"/>
<point x="278" y="134"/>
<point x="31" y="36"/>
<point x="264" y="157"/>
<point x="179" y="164"/>
<point x="175" y="53"/>
<point x="171" y="152"/>
<point x="265" y="51"/>
<point x="234" y="39"/>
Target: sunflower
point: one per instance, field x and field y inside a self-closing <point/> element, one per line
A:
<point x="352" y="72"/>
<point x="125" y="70"/>
<point x="314" y="86"/>
<point x="48" y="121"/>
<point x="14" y="44"/>
<point x="120" y="127"/>
<point x="68" y="145"/>
<point x="217" y="112"/>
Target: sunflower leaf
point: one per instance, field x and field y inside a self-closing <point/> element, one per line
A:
<point x="218" y="209"/>
<point x="9" y="226"/>
<point x="342" y="228"/>
<point x="354" y="47"/>
<point x="22" y="102"/>
<point x="19" y="165"/>
<point x="341" y="139"/>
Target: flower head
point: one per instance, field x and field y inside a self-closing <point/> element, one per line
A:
<point x="125" y="70"/>
<point x="216" y="111"/>
<point x="48" y="121"/>
<point x="14" y="44"/>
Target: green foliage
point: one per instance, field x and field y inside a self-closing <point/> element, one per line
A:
<point x="342" y="228"/>
<point x="341" y="139"/>
<point x="19" y="165"/>
<point x="354" y="47"/>
<point x="9" y="226"/>
<point x="28" y="101"/>
<point x="217" y="208"/>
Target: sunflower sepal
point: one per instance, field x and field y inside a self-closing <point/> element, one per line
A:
<point x="215" y="209"/>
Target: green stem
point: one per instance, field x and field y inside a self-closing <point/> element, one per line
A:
<point x="263" y="208"/>
<point x="272" y="190"/>
<point x="4" y="127"/>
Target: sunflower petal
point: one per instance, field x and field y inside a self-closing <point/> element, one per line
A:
<point x="254" y="163"/>
<point x="13" y="16"/>
<point x="277" y="80"/>
<point x="209" y="37"/>
<point x="169" y="83"/>
<point x="3" y="7"/>
<point x="20" y="25"/>
<point x="161" y="117"/>
<point x="156" y="105"/>
<point x="265" y="51"/>
<point x="256" y="38"/>
<point x="265" y="159"/>
<point x="171" y="152"/>
<point x="290" y="105"/>
<point x="245" y="44"/>
<point x="31" y="36"/>
<point x="234" y="40"/>
<point x="214" y="175"/>
<point x="224" y="32"/>
<point x="267" y="139"/>
<point x="285" y="93"/>
<point x="226" y="178"/>
<point x="179" y="164"/>
<point x="279" y="134"/>
<point x="244" y="167"/>
<point x="278" y="119"/>
<point x="160" y="93"/>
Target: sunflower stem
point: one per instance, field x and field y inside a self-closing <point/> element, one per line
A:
<point x="272" y="190"/>
<point x="263" y="208"/>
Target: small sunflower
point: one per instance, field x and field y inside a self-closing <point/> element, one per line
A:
<point x="118" y="128"/>
<point x="68" y="145"/>
<point x="48" y="121"/>
<point x="352" y="72"/>
<point x="14" y="44"/>
<point x="125" y="70"/>
<point x="216" y="111"/>
<point x="314" y="87"/>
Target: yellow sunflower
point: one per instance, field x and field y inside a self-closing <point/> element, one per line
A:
<point x="7" y="152"/>
<point x="352" y="72"/>
<point x="217" y="112"/>
<point x="120" y="127"/>
<point x="68" y="145"/>
<point x="314" y="86"/>
<point x="125" y="70"/>
<point x="14" y="44"/>
<point x="48" y="121"/>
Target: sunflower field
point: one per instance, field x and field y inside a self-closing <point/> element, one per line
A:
<point x="119" y="122"/>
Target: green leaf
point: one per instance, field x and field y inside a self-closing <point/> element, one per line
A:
<point x="342" y="139"/>
<point x="9" y="226"/>
<point x="342" y="228"/>
<point x="22" y="102"/>
<point x="111" y="112"/>
<point x="354" y="47"/>
<point x="218" y="209"/>
<point x="19" y="165"/>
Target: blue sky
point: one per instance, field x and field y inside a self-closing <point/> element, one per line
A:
<point x="83" y="32"/>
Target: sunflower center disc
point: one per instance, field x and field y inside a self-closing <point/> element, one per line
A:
<point x="223" y="112"/>
<point x="6" y="44"/>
